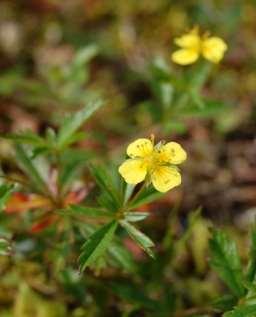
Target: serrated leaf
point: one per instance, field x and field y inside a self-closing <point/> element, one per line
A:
<point x="143" y="241"/>
<point x="135" y="216"/>
<point x="75" y="121"/>
<point x="97" y="244"/>
<point x="225" y="261"/>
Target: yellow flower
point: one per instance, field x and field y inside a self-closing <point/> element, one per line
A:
<point x="155" y="163"/>
<point x="192" y="45"/>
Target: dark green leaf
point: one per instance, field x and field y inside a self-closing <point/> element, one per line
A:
<point x="110" y="194"/>
<point x="122" y="256"/>
<point x="226" y="262"/>
<point x="225" y="302"/>
<point x="97" y="244"/>
<point x="242" y="311"/>
<point x="146" y="196"/>
<point x="133" y="294"/>
<point x="90" y="211"/>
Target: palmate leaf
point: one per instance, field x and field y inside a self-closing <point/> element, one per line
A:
<point x="140" y="238"/>
<point x="75" y="121"/>
<point x="225" y="261"/>
<point x="97" y="244"/>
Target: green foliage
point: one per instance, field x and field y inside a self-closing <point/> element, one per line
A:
<point x="226" y="261"/>
<point x="67" y="130"/>
<point x="5" y="192"/>
<point x="97" y="244"/>
<point x="143" y="241"/>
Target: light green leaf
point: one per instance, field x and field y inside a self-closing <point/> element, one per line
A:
<point x="5" y="192"/>
<point x="143" y="241"/>
<point x="97" y="244"/>
<point x="135" y="216"/>
<point x="75" y="121"/>
<point x="4" y="247"/>
<point x="226" y="262"/>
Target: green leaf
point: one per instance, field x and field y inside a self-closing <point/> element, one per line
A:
<point x="27" y="137"/>
<point x="122" y="256"/>
<point x="133" y="293"/>
<point x="97" y="244"/>
<point x="225" y="302"/>
<point x="242" y="311"/>
<point x="71" y="161"/>
<point x="84" y="55"/>
<point x="226" y="262"/>
<point x="4" y="247"/>
<point x="135" y="216"/>
<point x="143" y="241"/>
<point x="90" y="211"/>
<point x="251" y="270"/>
<point x="30" y="169"/>
<point x="75" y="121"/>
<point x="5" y="192"/>
<point x="110" y="194"/>
<point x="146" y="196"/>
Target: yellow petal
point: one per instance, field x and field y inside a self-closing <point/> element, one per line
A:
<point x="165" y="178"/>
<point x="172" y="153"/>
<point x="213" y="49"/>
<point x="133" y="171"/>
<point x="140" y="148"/>
<point x="189" y="40"/>
<point x="185" y="56"/>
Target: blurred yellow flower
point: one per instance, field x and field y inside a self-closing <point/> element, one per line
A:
<point x="155" y="163"/>
<point x="192" y="45"/>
